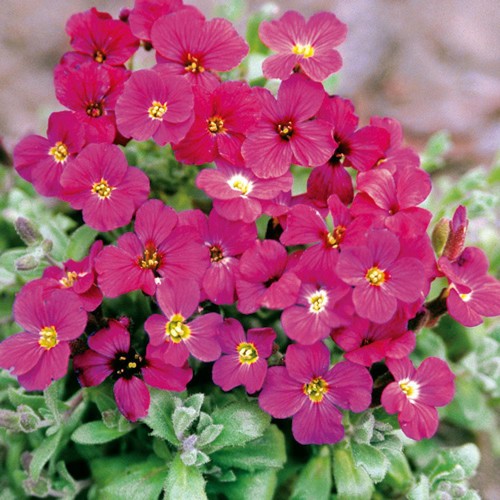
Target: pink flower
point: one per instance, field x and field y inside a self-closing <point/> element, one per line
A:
<point x="225" y="241"/>
<point x="91" y="91"/>
<point x="101" y="184"/>
<point x="392" y="199"/>
<point x="307" y="390"/>
<point x="174" y="333"/>
<point x="472" y="293"/>
<point x="110" y="354"/>
<point x="96" y="36"/>
<point x="415" y="394"/>
<point x="151" y="106"/>
<point x="237" y="193"/>
<point x="244" y="356"/>
<point x="40" y="353"/>
<point x="308" y="46"/>
<point x="157" y="249"/>
<point x="286" y="132"/>
<point x="381" y="279"/>
<point x="222" y="119"/>
<point x="189" y="45"/>
<point x="326" y="180"/>
<point x="41" y="161"/>
<point x="263" y="280"/>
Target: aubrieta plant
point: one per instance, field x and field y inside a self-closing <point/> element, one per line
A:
<point x="187" y="330"/>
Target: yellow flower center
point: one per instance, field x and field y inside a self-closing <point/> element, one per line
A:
<point x="410" y="388"/>
<point x="303" y="50"/>
<point x="59" y="151"/>
<point x="95" y="109"/>
<point x="316" y="389"/>
<point x="102" y="189"/>
<point x="69" y="279"/>
<point x="48" y="337"/>
<point x="465" y="296"/>
<point x="241" y="184"/>
<point x="216" y="125"/>
<point x="193" y="65"/>
<point x="157" y="110"/>
<point x="99" y="56"/>
<point x="334" y="239"/>
<point x="248" y="353"/>
<point x="285" y="130"/>
<point x="318" y="301"/>
<point x="376" y="276"/>
<point x="216" y="254"/>
<point x="150" y="259"/>
<point x="176" y="330"/>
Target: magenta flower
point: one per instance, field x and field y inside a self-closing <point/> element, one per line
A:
<point x="263" y="279"/>
<point x="91" y="91"/>
<point x="110" y="354"/>
<point x="322" y="304"/>
<point x="40" y="353"/>
<point x="225" y="241"/>
<point x="366" y="343"/>
<point x="222" y="119"/>
<point x="151" y="106"/>
<point x="327" y="180"/>
<point x="189" y="45"/>
<point x="244" y="356"/>
<point x="101" y="184"/>
<point x="172" y="330"/>
<point x="157" y="249"/>
<point x="307" y="390"/>
<point x="41" y="161"/>
<point x="307" y="46"/>
<point x="286" y="132"/>
<point x="78" y="277"/>
<point x="381" y="279"/>
<point x="392" y="199"/>
<point x="472" y="293"/>
<point x="415" y="394"/>
<point x="97" y="37"/>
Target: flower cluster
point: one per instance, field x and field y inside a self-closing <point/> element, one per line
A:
<point x="348" y="264"/>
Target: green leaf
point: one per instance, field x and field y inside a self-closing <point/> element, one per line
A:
<point x="250" y="486"/>
<point x="44" y="453"/>
<point x="159" y="417"/>
<point x="352" y="482"/>
<point x="399" y="476"/>
<point x="18" y="397"/>
<point x="182" y="420"/>
<point x="195" y="401"/>
<point x="97" y="433"/>
<point x="79" y="242"/>
<point x="208" y="434"/>
<point x="184" y="482"/>
<point x="363" y="424"/>
<point x="421" y="490"/>
<point x="242" y="421"/>
<point x="455" y="464"/>
<point x="315" y="479"/>
<point x="266" y="452"/>
<point x="372" y="460"/>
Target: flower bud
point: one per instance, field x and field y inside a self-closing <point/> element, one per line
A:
<point x="458" y="231"/>
<point x="9" y="420"/>
<point x="28" y="419"/>
<point x="26" y="263"/>
<point x="27" y="231"/>
<point x="440" y="235"/>
<point x="47" y="246"/>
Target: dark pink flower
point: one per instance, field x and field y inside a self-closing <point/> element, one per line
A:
<point x="392" y="199"/>
<point x="305" y="45"/>
<point x="263" y="279"/>
<point x="237" y="193"/>
<point x="158" y="249"/>
<point x="111" y="354"/>
<point x="326" y="180"/>
<point x="366" y="343"/>
<point x="457" y="232"/>
<point x="319" y="307"/>
<point x="415" y="394"/>
<point x="307" y="390"/>
<point x="472" y="294"/>
<point x="96" y="36"/>
<point x="222" y="118"/>
<point x="40" y="353"/>
<point x="174" y="332"/>
<point x="191" y="46"/>
<point x="381" y="279"/>
<point x="225" y="241"/>
<point x="244" y="356"/>
<point x="101" y="184"/>
<point x="151" y="106"/>
<point x="91" y="91"/>
<point x="286" y="132"/>
<point x="41" y="161"/>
